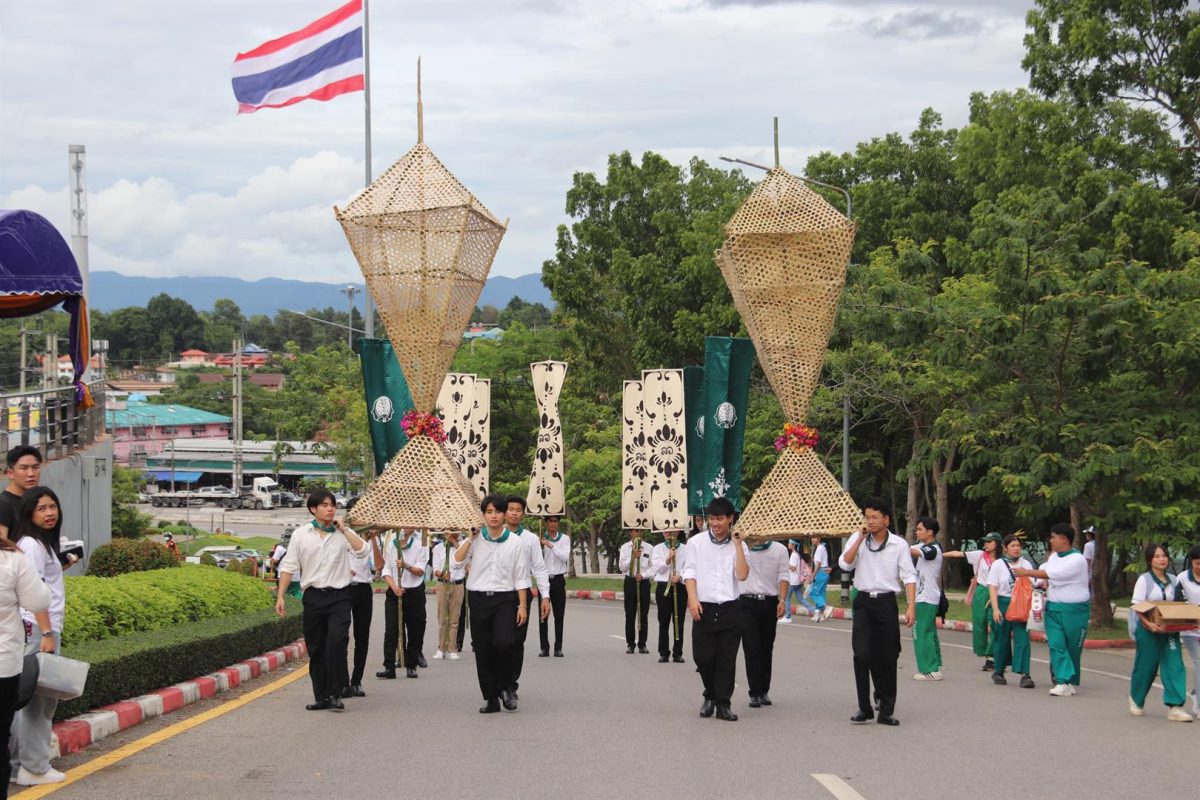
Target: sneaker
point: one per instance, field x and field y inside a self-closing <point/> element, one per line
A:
<point x="816" y="615"/>
<point x="828" y="612"/>
<point x="438" y="655"/>
<point x="988" y="666"/>
<point x="27" y="778"/>
<point x="1135" y="709"/>
<point x="785" y="620"/>
<point x="999" y="679"/>
<point x="927" y="676"/>
<point x="1195" y="704"/>
<point x="1027" y="682"/>
<point x="1061" y="690"/>
<point x="1074" y="691"/>
<point x="452" y="656"/>
<point x="1174" y="714"/>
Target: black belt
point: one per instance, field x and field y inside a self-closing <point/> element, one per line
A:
<point x="560" y="576"/>
<point x="879" y="595"/>
<point x="325" y="588"/>
<point x="494" y="594"/>
<point x="453" y="583"/>
<point x="760" y="596"/>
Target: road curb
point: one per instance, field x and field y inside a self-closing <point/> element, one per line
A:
<point x="75" y="734"/>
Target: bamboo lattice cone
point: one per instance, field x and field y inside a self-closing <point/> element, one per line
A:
<point x="784" y="259"/>
<point x="425" y="245"/>
<point x="420" y="488"/>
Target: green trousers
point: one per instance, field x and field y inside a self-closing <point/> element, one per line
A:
<point x="1066" y="628"/>
<point x="1010" y="645"/>
<point x="981" y="623"/>
<point x="1158" y="653"/>
<point x="925" y="639"/>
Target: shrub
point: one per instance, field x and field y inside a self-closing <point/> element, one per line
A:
<point x="125" y="555"/>
<point x="246" y="567"/>
<point x="208" y="560"/>
<point x="162" y="523"/>
<point x="143" y="662"/>
<point x="100" y="608"/>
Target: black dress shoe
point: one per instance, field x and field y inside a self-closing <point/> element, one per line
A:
<point x="421" y="662"/>
<point x="507" y="699"/>
<point x="347" y="692"/>
<point x="629" y="649"/>
<point x="885" y="719"/>
<point x="678" y="659"/>
<point x="544" y="654"/>
<point x="863" y="716"/>
<point x="335" y="704"/>
<point x="515" y="696"/>
<point x="663" y="659"/>
<point x="766" y="701"/>
<point x="755" y="702"/>
<point x="411" y="672"/>
<point x="988" y="666"/>
<point x="558" y="654"/>
<point x="389" y="674"/>
<point x="723" y="713"/>
<point x="707" y="708"/>
<point x="642" y="649"/>
<point x="357" y="690"/>
<point x="492" y="707"/>
<point x="320" y="705"/>
<point x="999" y="679"/>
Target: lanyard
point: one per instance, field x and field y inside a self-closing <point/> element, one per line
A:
<point x="1162" y="586"/>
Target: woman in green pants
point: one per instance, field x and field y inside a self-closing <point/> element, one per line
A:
<point x="977" y="595"/>
<point x="1011" y="645"/>
<point x="1068" y="607"/>
<point x="1158" y="651"/>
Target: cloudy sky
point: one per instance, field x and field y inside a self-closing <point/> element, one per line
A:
<point x="519" y="95"/>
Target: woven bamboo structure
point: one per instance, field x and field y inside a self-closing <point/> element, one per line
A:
<point x="784" y="259"/>
<point x="425" y="245"/>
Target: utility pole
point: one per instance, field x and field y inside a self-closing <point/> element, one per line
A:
<point x="350" y="291"/>
<point x="50" y="363"/>
<point x="237" y="415"/>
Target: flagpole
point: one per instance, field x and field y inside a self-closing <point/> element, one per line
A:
<point x="369" y="303"/>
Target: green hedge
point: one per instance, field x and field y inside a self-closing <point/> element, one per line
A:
<point x="100" y="608"/>
<point x="140" y="663"/>
<point x="130" y="555"/>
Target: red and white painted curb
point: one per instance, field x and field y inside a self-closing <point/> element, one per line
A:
<point x="73" y="735"/>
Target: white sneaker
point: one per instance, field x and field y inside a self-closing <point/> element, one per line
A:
<point x="1177" y="714"/>
<point x="816" y="615"/>
<point x="1074" y="691"/>
<point x="1061" y="690"/>
<point x="27" y="778"/>
<point x="453" y="656"/>
<point x="785" y="620"/>
<point x="828" y="612"/>
<point x="1135" y="709"/>
<point x="1195" y="704"/>
<point x="439" y="655"/>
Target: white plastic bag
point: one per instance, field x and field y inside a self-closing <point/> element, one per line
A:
<point x="1037" y="611"/>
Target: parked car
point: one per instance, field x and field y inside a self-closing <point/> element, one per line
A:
<point x="286" y="499"/>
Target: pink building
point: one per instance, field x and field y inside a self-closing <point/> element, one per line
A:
<point x="140" y="429"/>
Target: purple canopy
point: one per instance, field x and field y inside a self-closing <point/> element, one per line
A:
<point x="34" y="257"/>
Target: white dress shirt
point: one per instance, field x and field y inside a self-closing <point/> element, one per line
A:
<point x="929" y="572"/>
<point x="415" y="554"/>
<point x="320" y="557"/>
<point x="457" y="571"/>
<point x="794" y="569"/>
<point x="556" y="553"/>
<point x="659" y="564"/>
<point x="537" y="564"/>
<point x="50" y="571"/>
<point x="1002" y="578"/>
<point x="1191" y="593"/>
<point x="361" y="568"/>
<point x="645" y="566"/>
<point x="713" y="567"/>
<point x="496" y="566"/>
<point x="883" y="570"/>
<point x="1069" y="580"/>
<point x="768" y="567"/>
<point x="19" y="588"/>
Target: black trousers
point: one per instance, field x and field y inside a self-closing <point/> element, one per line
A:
<point x="758" y="641"/>
<point x="326" y="635"/>
<point x="558" y="607"/>
<point x="8" y="709"/>
<point x="361" y="606"/>
<point x="493" y="636"/>
<point x="518" y="648"/>
<point x="462" y="624"/>
<point x="715" y="639"/>
<point x="637" y="604"/>
<point x="876" y="642"/>
<point x="670" y="634"/>
<point x="408" y="610"/>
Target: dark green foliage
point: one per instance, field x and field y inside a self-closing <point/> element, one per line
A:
<point x="128" y="555"/>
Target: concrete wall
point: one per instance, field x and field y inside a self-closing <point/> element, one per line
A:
<point x="83" y="483"/>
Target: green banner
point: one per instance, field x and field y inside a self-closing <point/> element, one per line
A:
<point x="388" y="399"/>
<point x="727" y="364"/>
<point x="693" y="412"/>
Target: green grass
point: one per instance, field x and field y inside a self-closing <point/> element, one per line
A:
<point x="613" y="584"/>
<point x="263" y="544"/>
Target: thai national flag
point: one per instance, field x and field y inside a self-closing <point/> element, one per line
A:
<point x="318" y="62"/>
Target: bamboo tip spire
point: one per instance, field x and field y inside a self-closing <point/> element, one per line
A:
<point x="420" y="110"/>
<point x="776" y="142"/>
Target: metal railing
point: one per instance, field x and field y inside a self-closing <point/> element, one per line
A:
<point x="49" y="420"/>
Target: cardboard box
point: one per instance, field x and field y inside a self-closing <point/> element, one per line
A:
<point x="1172" y="615"/>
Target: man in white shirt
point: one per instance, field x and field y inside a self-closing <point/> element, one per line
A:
<point x="1089" y="548"/>
<point x="638" y="570"/>
<point x="319" y="551"/>
<point x="670" y="596"/>
<point x="404" y="560"/>
<point x="451" y="580"/>
<point x="556" y="553"/>
<point x="882" y="563"/>
<point x="362" y="604"/>
<point x="714" y="563"/>
<point x="763" y="594"/>
<point x="514" y="521"/>
<point x="928" y="555"/>
<point x="498" y="580"/>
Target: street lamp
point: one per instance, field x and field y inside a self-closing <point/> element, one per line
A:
<point x="350" y="291"/>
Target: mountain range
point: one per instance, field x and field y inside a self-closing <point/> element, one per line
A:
<point x="111" y="290"/>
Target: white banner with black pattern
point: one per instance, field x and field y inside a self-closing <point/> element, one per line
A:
<point x="635" y="496"/>
<point x="546" y="490"/>
<point x="664" y="428"/>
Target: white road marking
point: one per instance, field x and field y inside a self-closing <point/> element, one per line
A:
<point x="837" y="787"/>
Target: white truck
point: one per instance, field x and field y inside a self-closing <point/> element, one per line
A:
<point x="258" y="495"/>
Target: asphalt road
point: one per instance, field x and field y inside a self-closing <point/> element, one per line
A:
<point x="600" y="723"/>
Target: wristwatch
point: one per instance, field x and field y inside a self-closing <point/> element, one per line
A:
<point x="47" y="633"/>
